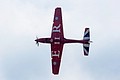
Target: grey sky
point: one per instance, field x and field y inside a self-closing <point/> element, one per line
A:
<point x="22" y="20"/>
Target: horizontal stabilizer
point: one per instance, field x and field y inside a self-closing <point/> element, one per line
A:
<point x="86" y="38"/>
<point x="86" y="49"/>
<point x="86" y="34"/>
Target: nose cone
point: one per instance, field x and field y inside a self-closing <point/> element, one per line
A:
<point x="39" y="40"/>
<point x="36" y="40"/>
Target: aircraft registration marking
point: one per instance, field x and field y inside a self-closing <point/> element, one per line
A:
<point x="56" y="53"/>
<point x="57" y="38"/>
<point x="56" y="42"/>
<point x="56" y="28"/>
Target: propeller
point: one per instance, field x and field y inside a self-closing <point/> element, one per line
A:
<point x="37" y="41"/>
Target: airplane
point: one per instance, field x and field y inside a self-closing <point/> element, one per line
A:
<point x="57" y="41"/>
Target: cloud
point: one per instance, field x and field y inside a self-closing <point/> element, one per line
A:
<point x="21" y="21"/>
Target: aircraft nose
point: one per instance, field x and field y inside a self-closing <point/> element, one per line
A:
<point x="36" y="39"/>
<point x="37" y="42"/>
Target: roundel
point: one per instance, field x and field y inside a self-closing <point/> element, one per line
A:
<point x="56" y="18"/>
<point x="54" y="63"/>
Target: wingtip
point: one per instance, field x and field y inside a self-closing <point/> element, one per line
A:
<point x="58" y="8"/>
<point x="55" y="73"/>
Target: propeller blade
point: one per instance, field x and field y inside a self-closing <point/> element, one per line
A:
<point x="37" y="41"/>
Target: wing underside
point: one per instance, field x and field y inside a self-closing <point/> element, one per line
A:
<point x="56" y="36"/>
<point x="56" y="54"/>
<point x="57" y="28"/>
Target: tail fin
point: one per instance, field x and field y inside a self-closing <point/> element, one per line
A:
<point x="87" y="38"/>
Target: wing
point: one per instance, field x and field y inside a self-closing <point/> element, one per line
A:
<point x="56" y="53"/>
<point x="56" y="45"/>
<point x="57" y="28"/>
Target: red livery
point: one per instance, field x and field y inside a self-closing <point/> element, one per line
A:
<point x="57" y="41"/>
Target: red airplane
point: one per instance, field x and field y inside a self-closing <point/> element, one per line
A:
<point x="57" y="41"/>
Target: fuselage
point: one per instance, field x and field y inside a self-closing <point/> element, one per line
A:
<point x="60" y="40"/>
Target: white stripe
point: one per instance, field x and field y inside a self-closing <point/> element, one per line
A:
<point x="86" y="38"/>
<point x="86" y="32"/>
<point x="85" y="51"/>
<point x="86" y="45"/>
